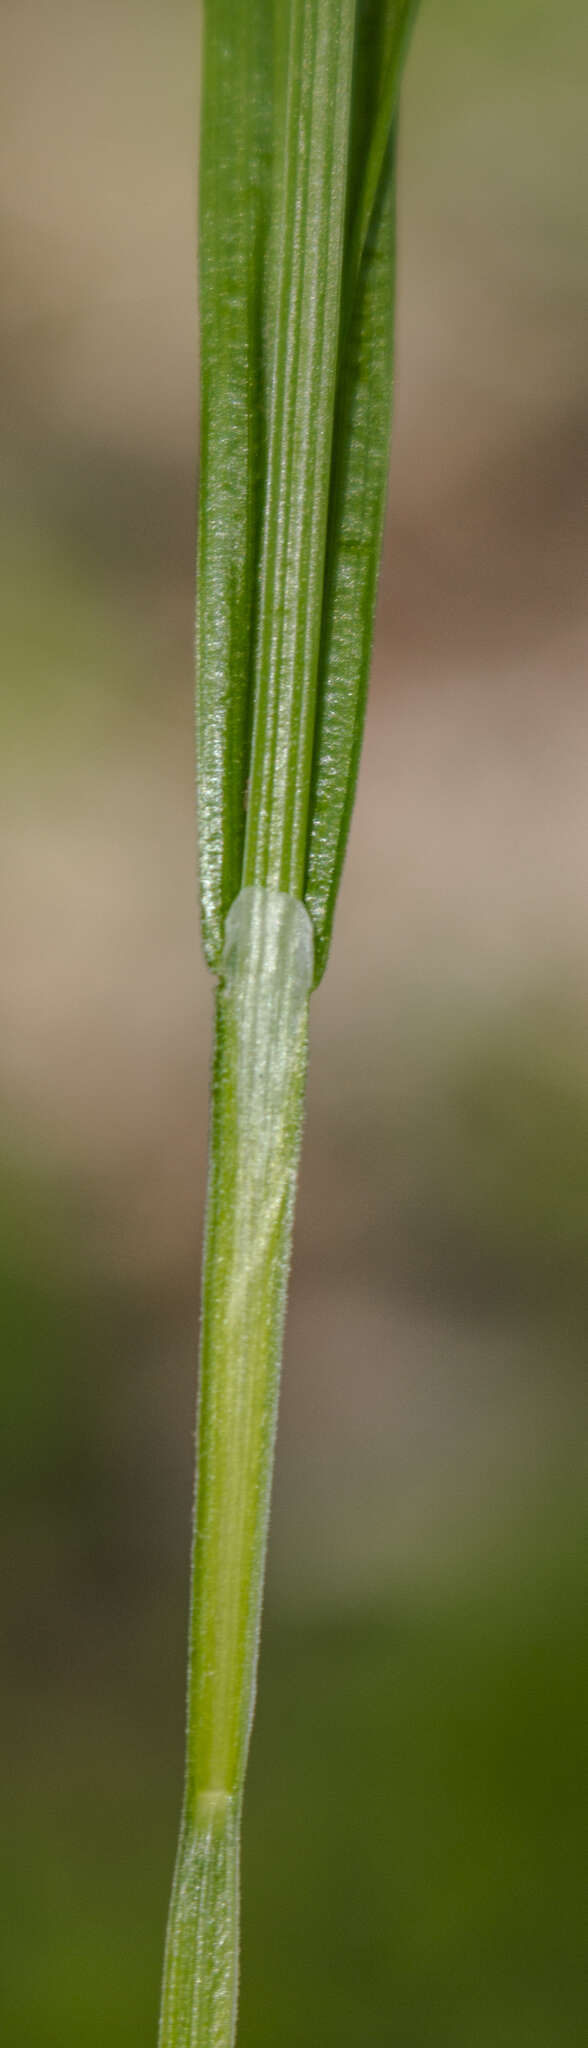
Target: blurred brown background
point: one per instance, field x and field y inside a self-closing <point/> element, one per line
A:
<point x="417" y="1805"/>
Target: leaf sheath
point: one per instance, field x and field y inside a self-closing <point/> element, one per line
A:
<point x="258" y="1090"/>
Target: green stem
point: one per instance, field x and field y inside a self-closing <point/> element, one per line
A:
<point x="258" y="1090"/>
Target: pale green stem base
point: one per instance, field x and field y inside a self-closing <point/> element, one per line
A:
<point x="258" y="1093"/>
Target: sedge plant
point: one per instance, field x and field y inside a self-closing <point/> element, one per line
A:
<point x="297" y="263"/>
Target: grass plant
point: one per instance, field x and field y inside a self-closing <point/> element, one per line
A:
<point x="297" y="262"/>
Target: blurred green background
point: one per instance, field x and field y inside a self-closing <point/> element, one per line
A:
<point x="417" y="1806"/>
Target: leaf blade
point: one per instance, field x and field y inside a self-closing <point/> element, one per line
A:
<point x="233" y="206"/>
<point x="357" y="517"/>
<point x="309" y="256"/>
<point x="360" y="456"/>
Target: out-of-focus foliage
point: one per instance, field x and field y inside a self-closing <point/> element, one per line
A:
<point x="447" y="1891"/>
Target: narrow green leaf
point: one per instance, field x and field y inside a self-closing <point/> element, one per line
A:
<point x="384" y="29"/>
<point x="360" y="455"/>
<point x="235" y="187"/>
<point x="358" y="501"/>
<point x="308" y="251"/>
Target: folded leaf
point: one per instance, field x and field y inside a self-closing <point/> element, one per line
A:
<point x="235" y="204"/>
<point x="360" y="454"/>
<point x="310" y="185"/>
